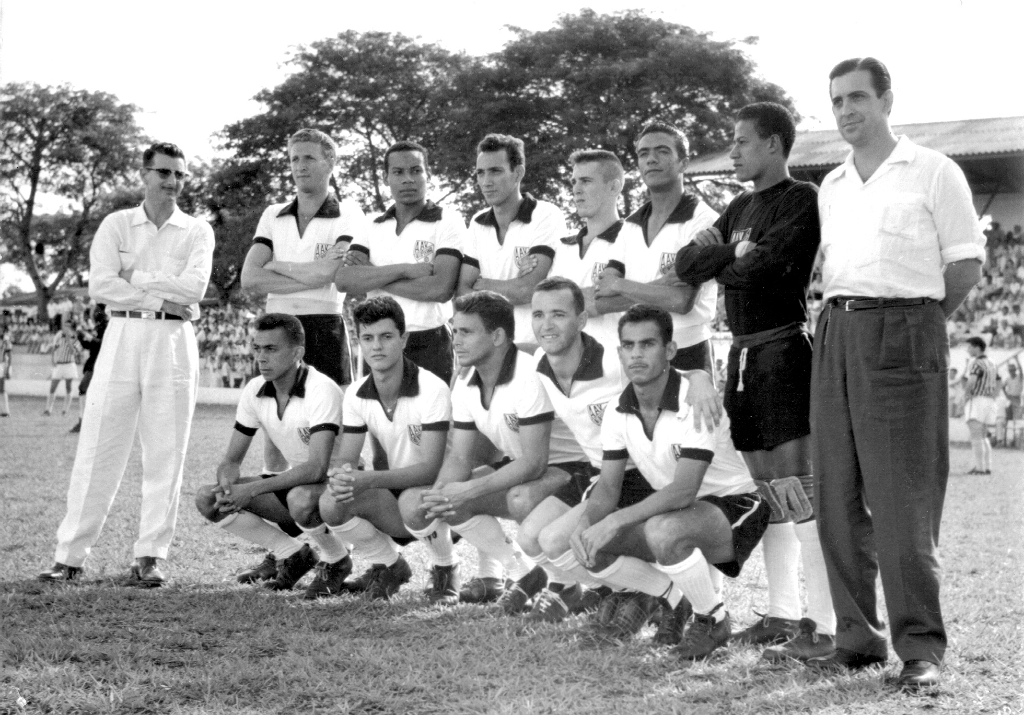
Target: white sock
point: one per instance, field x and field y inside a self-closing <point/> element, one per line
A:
<point x="248" y="526"/>
<point x="633" y="574"/>
<point x="568" y="564"/>
<point x="371" y="543"/>
<point x="819" y="596"/>
<point x="555" y="574"/>
<point x="986" y="454"/>
<point x="488" y="566"/>
<point x="437" y="537"/>
<point x="485" y="533"/>
<point x="693" y="579"/>
<point x="781" y="568"/>
<point x="718" y="581"/>
<point x="329" y="548"/>
<point x="979" y="454"/>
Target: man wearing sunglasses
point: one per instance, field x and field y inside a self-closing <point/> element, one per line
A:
<point x="151" y="266"/>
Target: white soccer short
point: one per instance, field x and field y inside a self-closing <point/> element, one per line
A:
<point x="64" y="371"/>
<point x="980" y="409"/>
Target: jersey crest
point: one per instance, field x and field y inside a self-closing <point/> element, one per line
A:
<point x="741" y="235"/>
<point x="321" y="250"/>
<point x="304" y="434"/>
<point x="512" y="421"/>
<point x="595" y="273"/>
<point x="596" y="412"/>
<point x="415" y="434"/>
<point x="521" y="252"/>
<point x="668" y="263"/>
<point x="423" y="251"/>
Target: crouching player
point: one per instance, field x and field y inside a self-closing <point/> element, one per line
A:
<point x="407" y="409"/>
<point x="690" y="502"/>
<point x="299" y="410"/>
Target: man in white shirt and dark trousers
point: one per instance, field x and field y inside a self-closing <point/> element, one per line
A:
<point x="151" y="266"/>
<point x="901" y="248"/>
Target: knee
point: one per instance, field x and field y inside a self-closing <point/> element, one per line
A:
<point x="332" y="512"/>
<point x="410" y="507"/>
<point x="206" y="502"/>
<point x="528" y="538"/>
<point x="667" y="541"/>
<point x="552" y="542"/>
<point x="519" y="503"/>
<point x="303" y="505"/>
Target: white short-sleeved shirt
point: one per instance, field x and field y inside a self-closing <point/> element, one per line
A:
<point x="314" y="405"/>
<point x="675" y="437"/>
<point x="643" y="263"/>
<point x="333" y="223"/>
<point x="436" y="231"/>
<point x="585" y="269"/>
<point x="536" y="229"/>
<point x="424" y="405"/>
<point x="518" y="399"/>
<point x="891" y="236"/>
<point x="598" y="382"/>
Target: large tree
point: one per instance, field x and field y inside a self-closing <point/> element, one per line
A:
<point x="72" y="149"/>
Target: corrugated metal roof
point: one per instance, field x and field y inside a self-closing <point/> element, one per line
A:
<point x="957" y="139"/>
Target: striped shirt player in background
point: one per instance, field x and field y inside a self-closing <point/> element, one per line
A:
<point x="67" y="352"/>
<point x="6" y="351"/>
<point x="980" y="409"/>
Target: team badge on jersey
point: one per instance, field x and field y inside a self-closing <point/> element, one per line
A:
<point x="598" y="269"/>
<point x="415" y="434"/>
<point x="321" y="250"/>
<point x="743" y="235"/>
<point x="668" y="263"/>
<point x="423" y="251"/>
<point x="304" y="434"/>
<point x="512" y="421"/>
<point x="596" y="412"/>
<point x="521" y="252"/>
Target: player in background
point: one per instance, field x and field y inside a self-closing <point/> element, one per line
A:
<point x="980" y="407"/>
<point x="67" y="353"/>
<point x="762" y="250"/>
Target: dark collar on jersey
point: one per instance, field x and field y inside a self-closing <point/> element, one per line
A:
<point x="524" y="214"/>
<point x="430" y="213"/>
<point x="410" y="386"/>
<point x="590" y="367"/>
<point x="507" y="372"/>
<point x="298" y="389"/>
<point x="609" y="235"/>
<point x="628" y="403"/>
<point x="682" y="213"/>
<point x="328" y="209"/>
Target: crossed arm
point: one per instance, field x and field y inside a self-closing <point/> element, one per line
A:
<point x="614" y="294"/>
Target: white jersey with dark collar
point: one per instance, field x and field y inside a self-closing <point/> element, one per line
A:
<point x="314" y="404"/>
<point x="675" y="438"/>
<point x="424" y="405"/>
<point x="584" y="270"/>
<point x="643" y="263"/>
<point x="436" y="231"/>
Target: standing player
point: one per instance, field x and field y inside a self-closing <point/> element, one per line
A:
<point x="407" y="410"/>
<point x="980" y="407"/>
<point x="641" y="265"/>
<point x="299" y="411"/>
<point x="67" y="353"/>
<point x="901" y="248"/>
<point x="298" y="249"/>
<point x="6" y="351"/>
<point x="415" y="252"/>
<point x="762" y="250"/>
<point x="151" y="266"/>
<point x="690" y="502"/>
<point x="516" y="226"/>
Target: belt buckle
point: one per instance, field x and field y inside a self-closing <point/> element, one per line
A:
<point x="147" y="314"/>
<point x="846" y="305"/>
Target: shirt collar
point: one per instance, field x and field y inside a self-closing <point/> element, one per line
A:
<point x="507" y="372"/>
<point x="524" y="214"/>
<point x="410" y="386"/>
<point x="590" y="367"/>
<point x="430" y="213"/>
<point x="298" y="389"/>
<point x="609" y="235"/>
<point x="177" y="218"/>
<point x="629" y="404"/>
<point x="682" y="213"/>
<point x="902" y="153"/>
<point x="330" y="208"/>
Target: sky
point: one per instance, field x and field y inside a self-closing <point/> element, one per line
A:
<point x="193" y="66"/>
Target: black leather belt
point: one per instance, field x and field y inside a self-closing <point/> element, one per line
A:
<point x="144" y="315"/>
<point x="848" y="303"/>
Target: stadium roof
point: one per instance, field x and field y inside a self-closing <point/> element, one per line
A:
<point x="966" y="141"/>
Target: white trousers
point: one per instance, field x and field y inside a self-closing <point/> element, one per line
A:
<point x="146" y="379"/>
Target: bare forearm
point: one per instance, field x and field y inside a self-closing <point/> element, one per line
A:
<point x="259" y="281"/>
<point x="435" y="289"/>
<point x="513" y="474"/>
<point x="675" y="299"/>
<point x="312" y="274"/>
<point x="416" y="475"/>
<point x="519" y="291"/>
<point x="362" y="279"/>
<point x="959" y="278"/>
<point x="306" y="473"/>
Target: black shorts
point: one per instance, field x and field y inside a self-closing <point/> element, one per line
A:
<point x="695" y="357"/>
<point x="580" y="476"/>
<point x="327" y="346"/>
<point x="635" y="488"/>
<point x="432" y="350"/>
<point x="290" y="528"/>
<point x="749" y="515"/>
<point x="774" y="405"/>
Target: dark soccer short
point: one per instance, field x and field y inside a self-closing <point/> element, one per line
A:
<point x="327" y="346"/>
<point x="580" y="476"/>
<point x="748" y="514"/>
<point x="774" y="405"/>
<point x="635" y="488"/>
<point x="695" y="357"/>
<point x="432" y="350"/>
<point x="291" y="528"/>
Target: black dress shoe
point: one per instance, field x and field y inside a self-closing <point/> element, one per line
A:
<point x="61" y="572"/>
<point x="919" y="674"/>
<point x="841" y="661"/>
<point x="147" y="572"/>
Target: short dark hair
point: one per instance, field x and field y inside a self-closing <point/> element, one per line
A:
<point x="165" y="148"/>
<point x="495" y="310"/>
<point x="645" y="313"/>
<point x="977" y="342"/>
<point x="771" y="118"/>
<point x="550" y="285"/>
<point x="378" y="308"/>
<point x="288" y="323"/>
<point x="611" y="165"/>
<point x="658" y="127"/>
<point x="404" y="145"/>
<point x="513" y="147"/>
<point x="881" y="82"/>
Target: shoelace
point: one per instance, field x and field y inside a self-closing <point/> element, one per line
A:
<point x="548" y="599"/>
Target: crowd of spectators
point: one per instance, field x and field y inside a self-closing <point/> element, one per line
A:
<point x="993" y="308"/>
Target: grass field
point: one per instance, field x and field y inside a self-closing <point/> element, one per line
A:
<point x="206" y="645"/>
